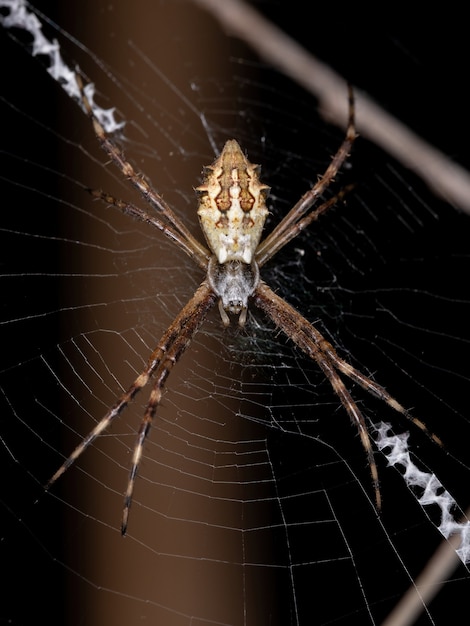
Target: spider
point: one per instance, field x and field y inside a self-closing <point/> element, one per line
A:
<point x="232" y="211"/>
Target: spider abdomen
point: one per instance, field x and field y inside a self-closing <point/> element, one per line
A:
<point x="232" y="208"/>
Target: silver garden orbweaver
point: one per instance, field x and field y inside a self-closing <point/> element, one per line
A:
<point x="232" y="212"/>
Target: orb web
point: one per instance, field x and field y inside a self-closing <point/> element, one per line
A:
<point x="254" y="498"/>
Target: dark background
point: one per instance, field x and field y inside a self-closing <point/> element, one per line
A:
<point x="417" y="72"/>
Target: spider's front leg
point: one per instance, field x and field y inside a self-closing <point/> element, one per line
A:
<point x="312" y="343"/>
<point x="169" y="350"/>
<point x="180" y="333"/>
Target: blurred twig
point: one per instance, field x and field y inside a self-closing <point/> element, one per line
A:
<point x="427" y="584"/>
<point x="446" y="178"/>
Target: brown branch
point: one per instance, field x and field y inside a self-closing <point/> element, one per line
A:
<point x="445" y="177"/>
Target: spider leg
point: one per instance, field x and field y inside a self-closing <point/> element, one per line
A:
<point x="356" y="417"/>
<point x="161" y="361"/>
<point x="198" y="251"/>
<point x="140" y="214"/>
<point x="196" y="311"/>
<point x="309" y="198"/>
<point x="377" y="390"/>
<point x="312" y="342"/>
<point x="299" y="226"/>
